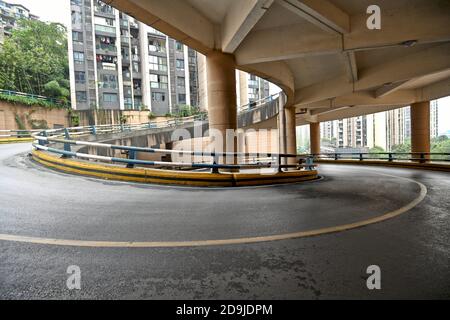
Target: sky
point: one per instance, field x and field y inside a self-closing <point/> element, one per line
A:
<point x="48" y="10"/>
<point x="59" y="11"/>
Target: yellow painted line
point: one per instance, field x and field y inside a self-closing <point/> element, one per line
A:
<point x="15" y="140"/>
<point x="396" y="164"/>
<point x="202" y="243"/>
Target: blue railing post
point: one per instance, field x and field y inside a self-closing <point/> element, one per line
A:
<point x="43" y="142"/>
<point x="422" y="158"/>
<point x="361" y="157"/>
<point x="309" y="163"/>
<point x="336" y="157"/>
<point x="67" y="145"/>
<point x="131" y="156"/>
<point x="216" y="161"/>
<point x="279" y="163"/>
<point x="390" y="157"/>
<point x="94" y="130"/>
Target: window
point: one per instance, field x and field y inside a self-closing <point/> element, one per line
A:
<point x="110" y="97"/>
<point x="158" y="81"/>
<point x="78" y="57"/>
<point x="76" y="17"/>
<point x="80" y="77"/>
<point x="128" y="102"/>
<point x="181" y="98"/>
<point x="127" y="90"/>
<point x="157" y="63"/>
<point x="156" y="45"/>
<point x="77" y="37"/>
<point x="179" y="46"/>
<point x="108" y="81"/>
<point x="136" y="67"/>
<point x="81" y="96"/>
<point x="180" y="64"/>
<point x="181" y="82"/>
<point x="137" y="103"/>
<point x="158" y="97"/>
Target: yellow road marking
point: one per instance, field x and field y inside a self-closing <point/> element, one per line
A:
<point x="201" y="243"/>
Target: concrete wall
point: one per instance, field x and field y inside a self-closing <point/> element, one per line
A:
<point x="37" y="117"/>
<point x="31" y="117"/>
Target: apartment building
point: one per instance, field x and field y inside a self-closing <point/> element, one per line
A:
<point x="383" y="129"/>
<point x="9" y="15"/>
<point x="117" y="62"/>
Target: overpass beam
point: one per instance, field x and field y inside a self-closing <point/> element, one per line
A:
<point x="314" y="137"/>
<point x="420" y="128"/>
<point x="222" y="104"/>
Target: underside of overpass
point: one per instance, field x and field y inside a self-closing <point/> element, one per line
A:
<point x="324" y="54"/>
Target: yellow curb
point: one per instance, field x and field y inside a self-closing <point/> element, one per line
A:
<point x="15" y="140"/>
<point x="156" y="176"/>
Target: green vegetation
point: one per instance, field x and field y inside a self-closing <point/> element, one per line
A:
<point x="29" y="101"/>
<point x="374" y="152"/>
<point x="438" y="145"/>
<point x="34" y="61"/>
<point x="123" y="119"/>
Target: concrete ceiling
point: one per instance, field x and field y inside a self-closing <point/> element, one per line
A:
<point x="320" y="51"/>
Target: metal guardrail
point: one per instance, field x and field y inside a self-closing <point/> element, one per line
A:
<point x="421" y="157"/>
<point x="257" y="104"/>
<point x="37" y="97"/>
<point x="65" y="136"/>
<point x="17" y="133"/>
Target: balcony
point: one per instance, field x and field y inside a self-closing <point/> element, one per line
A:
<point x="105" y="29"/>
<point x="107" y="49"/>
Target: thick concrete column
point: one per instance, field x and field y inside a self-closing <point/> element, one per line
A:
<point x="222" y="108"/>
<point x="291" y="135"/>
<point x="420" y="127"/>
<point x="314" y="137"/>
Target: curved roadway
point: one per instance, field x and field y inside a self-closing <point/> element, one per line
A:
<point x="412" y="249"/>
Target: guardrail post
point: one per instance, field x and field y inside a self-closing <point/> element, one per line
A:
<point x="280" y="169"/>
<point x="67" y="145"/>
<point x="422" y="158"/>
<point x="336" y="157"/>
<point x="390" y="157"/>
<point x="215" y="161"/>
<point x="131" y="156"/>
<point x="94" y="130"/>
<point x="43" y="142"/>
<point x="309" y="163"/>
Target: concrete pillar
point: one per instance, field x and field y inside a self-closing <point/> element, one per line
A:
<point x="222" y="108"/>
<point x="291" y="135"/>
<point x="314" y="137"/>
<point x="420" y="127"/>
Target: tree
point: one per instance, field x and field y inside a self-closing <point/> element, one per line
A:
<point x="374" y="152"/>
<point x="34" y="59"/>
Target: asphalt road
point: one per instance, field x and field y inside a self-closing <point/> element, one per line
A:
<point x="412" y="250"/>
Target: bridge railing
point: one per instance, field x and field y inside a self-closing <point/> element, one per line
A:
<point x="421" y="157"/>
<point x="48" y="140"/>
<point x="258" y="104"/>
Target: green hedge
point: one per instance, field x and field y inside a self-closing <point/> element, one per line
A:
<point x="27" y="101"/>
